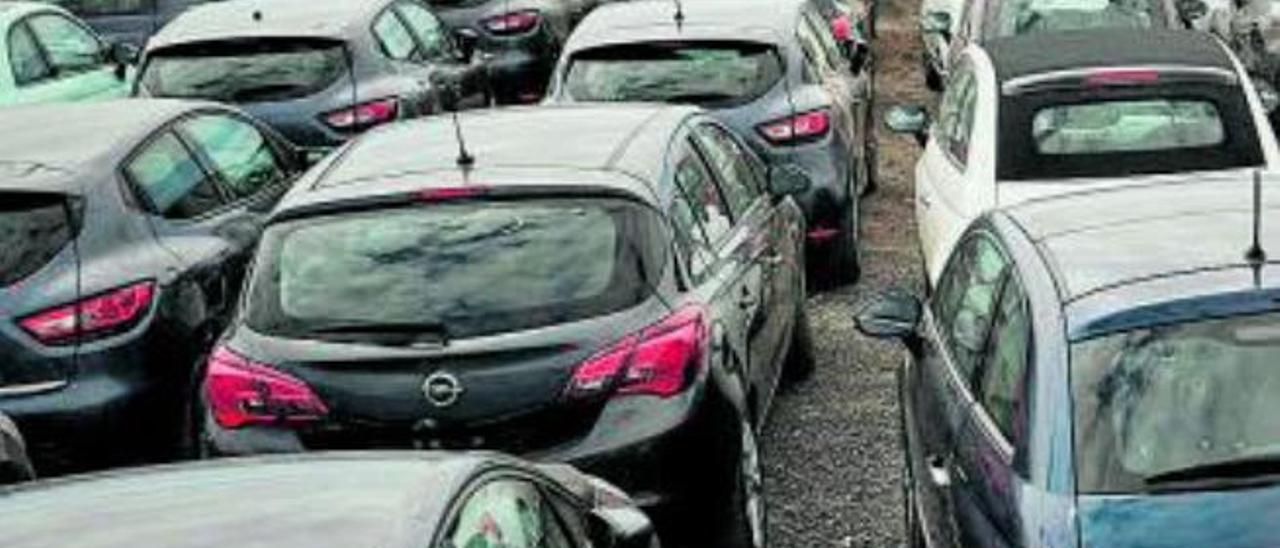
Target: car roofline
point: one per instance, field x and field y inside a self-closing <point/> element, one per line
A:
<point x="1032" y="82"/>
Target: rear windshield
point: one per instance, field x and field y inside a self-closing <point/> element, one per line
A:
<point x="471" y="268"/>
<point x="1141" y="129"/>
<point x="1018" y="17"/>
<point x="33" y="229"/>
<point x="704" y="73"/>
<point x="1152" y="402"/>
<point x="244" y="72"/>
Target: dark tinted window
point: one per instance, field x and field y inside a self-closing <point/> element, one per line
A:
<point x="245" y="72"/>
<point x="237" y="150"/>
<point x="472" y="267"/>
<point x="706" y="73"/>
<point x="1001" y="386"/>
<point x="703" y="194"/>
<point x="729" y="159"/>
<point x="69" y="46"/>
<point x="171" y="180"/>
<point x="25" y="58"/>
<point x="965" y="303"/>
<point x="33" y="228"/>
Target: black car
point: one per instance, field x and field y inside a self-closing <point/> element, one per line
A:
<point x="317" y="71"/>
<point x="521" y="38"/>
<point x="127" y="21"/>
<point x="1095" y="370"/>
<point x="123" y="257"/>
<point x="617" y="287"/>
<point x="773" y="73"/>
<point x="348" y="500"/>
<point x="15" y="465"/>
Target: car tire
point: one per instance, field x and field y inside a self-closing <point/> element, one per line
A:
<point x="743" y="521"/>
<point x="192" y="443"/>
<point x="800" y="364"/>
<point x="912" y="527"/>
<point x="846" y="258"/>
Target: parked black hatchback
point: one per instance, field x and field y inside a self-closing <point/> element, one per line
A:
<point x="122" y="258"/>
<point x="614" y="287"/>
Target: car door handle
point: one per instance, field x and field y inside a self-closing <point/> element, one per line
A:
<point x="939" y="471"/>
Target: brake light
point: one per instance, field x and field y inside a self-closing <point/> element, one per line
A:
<point x="842" y="28"/>
<point x="441" y="194"/>
<point x="364" y="115"/>
<point x="659" y="360"/>
<point x="800" y="127"/>
<point x="513" y="22"/>
<point x="242" y="392"/>
<point x="1112" y="77"/>
<point x="96" y="316"/>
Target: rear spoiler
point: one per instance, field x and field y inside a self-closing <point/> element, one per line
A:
<point x="1123" y="76"/>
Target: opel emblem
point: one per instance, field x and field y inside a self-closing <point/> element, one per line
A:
<point x="442" y="389"/>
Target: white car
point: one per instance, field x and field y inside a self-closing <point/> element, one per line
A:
<point x="1043" y="114"/>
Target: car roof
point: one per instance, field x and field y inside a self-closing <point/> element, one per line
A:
<point x="1111" y="250"/>
<point x="616" y="145"/>
<point x="71" y="136"/>
<point x="245" y="19"/>
<point x="650" y="20"/>
<point x="1020" y="56"/>
<point x="333" y="500"/>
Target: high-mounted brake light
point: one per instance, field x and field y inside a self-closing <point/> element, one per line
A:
<point x="364" y="115"/>
<point x="241" y="392"/>
<point x="513" y="22"/>
<point x="805" y="126"/>
<point x="1113" y="77"/>
<point x="442" y="194"/>
<point x="97" y="316"/>
<point x="659" y="360"/>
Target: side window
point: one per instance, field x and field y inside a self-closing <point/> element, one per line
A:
<point x="812" y="48"/>
<point x="71" y="48"/>
<point x="727" y="157"/>
<point x="237" y="151"/>
<point x="822" y="31"/>
<point x="428" y="30"/>
<point x="966" y="301"/>
<point x="171" y="180"/>
<point x="700" y="189"/>
<point x="25" y="58"/>
<point x="507" y="514"/>
<point x="393" y="36"/>
<point x="955" y="115"/>
<point x="1001" y="387"/>
<point x="691" y="242"/>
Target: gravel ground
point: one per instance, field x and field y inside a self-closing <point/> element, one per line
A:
<point x="832" y="455"/>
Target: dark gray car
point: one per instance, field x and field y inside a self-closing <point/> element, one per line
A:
<point x="317" y="71"/>
<point x="127" y="21"/>
<point x="774" y="74"/>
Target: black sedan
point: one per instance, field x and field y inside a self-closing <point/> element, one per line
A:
<point x="351" y="500"/>
<point x="774" y="73"/>
<point x="617" y="287"/>
<point x="122" y="258"/>
<point x="317" y="71"/>
<point x="1083" y="377"/>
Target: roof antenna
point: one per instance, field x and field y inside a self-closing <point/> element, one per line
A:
<point x="257" y="15"/>
<point x="1256" y="256"/>
<point x="465" y="159"/>
<point x="679" y="14"/>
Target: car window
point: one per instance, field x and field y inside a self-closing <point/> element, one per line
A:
<point x="237" y="150"/>
<point x="507" y="514"/>
<point x="33" y="229"/>
<point x="966" y="301"/>
<point x="1001" y="388"/>
<point x="246" y="72"/>
<point x="171" y="180"/>
<point x="428" y="30"/>
<point x="955" y="115"/>
<point x="700" y="189"/>
<point x="711" y="74"/>
<point x="690" y="240"/>
<point x="813" y="50"/>
<point x="1126" y="126"/>
<point x="24" y="56"/>
<point x="822" y="33"/>
<point x="85" y="8"/>
<point x="737" y="179"/>
<point x="1017" y="17"/>
<point x="395" y="39"/>
<point x="70" y="47"/>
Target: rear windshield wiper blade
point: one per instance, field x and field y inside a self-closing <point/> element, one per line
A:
<point x="699" y="98"/>
<point x="1250" y="467"/>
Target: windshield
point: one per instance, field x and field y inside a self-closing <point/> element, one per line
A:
<point x="1018" y="17"/>
<point x="470" y="268"/>
<point x="704" y="73"/>
<point x="1158" y="400"/>
<point x="245" y="72"/>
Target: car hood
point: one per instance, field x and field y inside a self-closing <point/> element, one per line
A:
<point x="1244" y="518"/>
<point x="1015" y="192"/>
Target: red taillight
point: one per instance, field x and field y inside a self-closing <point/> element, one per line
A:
<point x="364" y="115"/>
<point x="241" y="392"/>
<point x="1113" y="77"/>
<point x="512" y="23"/>
<point x="842" y="28"/>
<point x="801" y="127"/>
<point x="441" y="194"/>
<point x="660" y="360"/>
<point x="96" y="316"/>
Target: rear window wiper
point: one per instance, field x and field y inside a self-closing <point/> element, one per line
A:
<point x="1250" y="468"/>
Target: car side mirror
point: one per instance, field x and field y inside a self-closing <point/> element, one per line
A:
<point x="1192" y="10"/>
<point x="936" y="22"/>
<point x="893" y="313"/>
<point x="123" y="55"/>
<point x="1267" y="94"/>
<point x="465" y="41"/>
<point x="620" y="528"/>
<point x="788" y="180"/>
<point x="909" y="119"/>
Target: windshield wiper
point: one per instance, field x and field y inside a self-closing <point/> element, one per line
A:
<point x="388" y="332"/>
<point x="699" y="98"/>
<point x="1247" y="468"/>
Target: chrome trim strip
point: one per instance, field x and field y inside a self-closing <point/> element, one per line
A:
<point x="29" y="389"/>
<point x="1016" y="85"/>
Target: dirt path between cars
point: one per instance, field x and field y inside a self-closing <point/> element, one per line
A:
<point x="832" y="455"/>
